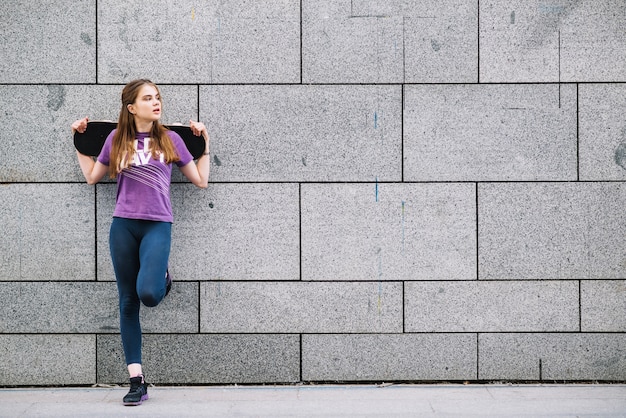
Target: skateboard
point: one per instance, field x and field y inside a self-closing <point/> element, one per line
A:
<point x="92" y="140"/>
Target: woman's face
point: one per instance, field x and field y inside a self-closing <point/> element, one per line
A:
<point x="147" y="106"/>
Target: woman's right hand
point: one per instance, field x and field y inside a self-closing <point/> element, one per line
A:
<point x="80" y="125"/>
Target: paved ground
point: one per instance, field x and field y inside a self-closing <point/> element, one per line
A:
<point x="325" y="401"/>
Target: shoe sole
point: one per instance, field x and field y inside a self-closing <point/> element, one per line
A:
<point x="143" y="398"/>
<point x="168" y="283"/>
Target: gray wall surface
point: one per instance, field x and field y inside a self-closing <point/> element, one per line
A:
<point x="400" y="190"/>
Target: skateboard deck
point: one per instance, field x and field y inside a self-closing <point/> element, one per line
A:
<point x="92" y="140"/>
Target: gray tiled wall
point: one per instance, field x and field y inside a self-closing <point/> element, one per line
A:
<point x="400" y="190"/>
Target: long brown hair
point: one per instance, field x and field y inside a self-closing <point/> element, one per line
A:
<point x="122" y="149"/>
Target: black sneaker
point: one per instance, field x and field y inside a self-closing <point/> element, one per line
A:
<point x="138" y="392"/>
<point x="168" y="282"/>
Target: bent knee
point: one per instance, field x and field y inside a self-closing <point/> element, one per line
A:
<point x="151" y="299"/>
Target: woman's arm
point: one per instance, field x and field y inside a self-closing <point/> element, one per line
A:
<point x="198" y="173"/>
<point x="93" y="171"/>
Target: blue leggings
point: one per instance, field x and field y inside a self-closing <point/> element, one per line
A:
<point x="140" y="251"/>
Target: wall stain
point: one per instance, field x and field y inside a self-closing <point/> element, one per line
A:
<point x="380" y="279"/>
<point x="376" y="189"/>
<point x="620" y="153"/>
<point x="547" y="22"/>
<point x="86" y="38"/>
<point x="403" y="228"/>
<point x="123" y="33"/>
<point x="56" y="97"/>
<point x="158" y="36"/>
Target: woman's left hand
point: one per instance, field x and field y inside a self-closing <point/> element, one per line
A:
<point x="198" y="128"/>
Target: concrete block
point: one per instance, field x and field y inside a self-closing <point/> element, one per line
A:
<point x="47" y="360"/>
<point x="216" y="42"/>
<point x="57" y="106"/>
<point x="593" y="41"/>
<point x="298" y="307"/>
<point x="303" y="132"/>
<point x="552" y="356"/>
<point x="490" y="133"/>
<point x="227" y="232"/>
<point x="567" y="41"/>
<point x="392" y="357"/>
<point x="480" y="306"/>
<point x="177" y="313"/>
<point x="60" y="308"/>
<point x="47" y="232"/>
<point x="602" y="131"/>
<point x="440" y="41"/>
<point x="551" y="231"/>
<point x="602" y="303"/>
<point x="45" y="43"/>
<point x="206" y="359"/>
<point x="180" y="103"/>
<point x="381" y="231"/>
<point x="389" y="42"/>
<point x="340" y="47"/>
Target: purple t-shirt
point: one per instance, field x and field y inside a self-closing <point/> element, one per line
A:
<point x="143" y="189"/>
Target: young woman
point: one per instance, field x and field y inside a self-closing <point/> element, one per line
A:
<point x="140" y="153"/>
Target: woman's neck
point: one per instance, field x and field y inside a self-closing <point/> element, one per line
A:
<point x="143" y="126"/>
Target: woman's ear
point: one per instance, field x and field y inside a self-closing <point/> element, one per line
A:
<point x="130" y="108"/>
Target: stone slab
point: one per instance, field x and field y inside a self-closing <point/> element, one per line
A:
<point x="565" y="40"/>
<point x="382" y="231"/>
<point x="593" y="41"/>
<point x="56" y="107"/>
<point x="45" y="43"/>
<point x="213" y="42"/>
<point x="47" y="232"/>
<point x="490" y="133"/>
<point x="61" y="308"/>
<point x="206" y="359"/>
<point x="440" y="41"/>
<point x="47" y="360"/>
<point x="339" y="47"/>
<point x="304" y="132"/>
<point x="550" y="357"/>
<point x="479" y="306"/>
<point x="226" y="232"/>
<point x="389" y="42"/>
<point x="550" y="231"/>
<point x="602" y="132"/>
<point x="602" y="303"/>
<point x="387" y="358"/>
<point x="299" y="307"/>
